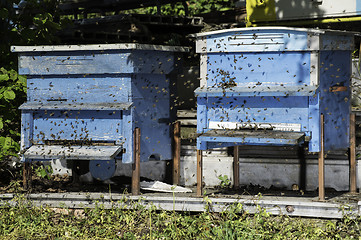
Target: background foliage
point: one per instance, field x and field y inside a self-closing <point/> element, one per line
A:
<point x="33" y="24"/>
<point x="195" y="7"/>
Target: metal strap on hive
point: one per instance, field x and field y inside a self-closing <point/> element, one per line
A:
<point x="257" y="91"/>
<point x="40" y="152"/>
<point x="75" y="106"/>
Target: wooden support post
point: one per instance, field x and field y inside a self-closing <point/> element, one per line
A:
<point x="136" y="163"/>
<point x="27" y="178"/>
<point x="159" y="10"/>
<point x="176" y="152"/>
<point x="352" y="155"/>
<point x="186" y="9"/>
<point x="75" y="173"/>
<point x="302" y="162"/>
<point x="321" y="163"/>
<point x="199" y="173"/>
<point x="236" y="167"/>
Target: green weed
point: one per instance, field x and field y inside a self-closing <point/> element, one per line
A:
<point x="23" y="220"/>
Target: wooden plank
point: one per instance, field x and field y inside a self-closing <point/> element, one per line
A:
<point x="252" y="137"/>
<point x="186" y="114"/>
<point x="253" y="133"/>
<point x="116" y="61"/>
<point x="257" y="91"/>
<point x="321" y="164"/>
<point x="40" y="152"/>
<point x="199" y="173"/>
<point x="136" y="163"/>
<point x="352" y="156"/>
<point x="176" y="152"/>
<point x="188" y="122"/>
<point x="78" y="125"/>
<point x="55" y="89"/>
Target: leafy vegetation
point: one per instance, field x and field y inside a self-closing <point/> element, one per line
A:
<point x="33" y="24"/>
<point x="44" y="171"/>
<point x="12" y="93"/>
<point x="194" y="7"/>
<point x="225" y="181"/>
<point x="25" y="221"/>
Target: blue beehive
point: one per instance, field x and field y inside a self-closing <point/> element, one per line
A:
<point x="269" y="86"/>
<point x="84" y="102"/>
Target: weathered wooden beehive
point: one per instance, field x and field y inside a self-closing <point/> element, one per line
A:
<point x="84" y="102"/>
<point x="270" y="85"/>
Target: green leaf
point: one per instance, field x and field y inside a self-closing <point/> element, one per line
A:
<point x="3" y="70"/>
<point x="9" y="95"/>
<point x="22" y="79"/>
<point x="43" y="173"/>
<point x="5" y="143"/>
<point x="13" y="75"/>
<point x="1" y="124"/>
<point x="4" y="13"/>
<point x="4" y="77"/>
<point x="16" y="146"/>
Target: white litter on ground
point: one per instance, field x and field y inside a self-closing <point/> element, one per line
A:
<point x="163" y="187"/>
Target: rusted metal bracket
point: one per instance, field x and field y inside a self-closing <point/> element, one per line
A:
<point x="236" y="167"/>
<point x="321" y="163"/>
<point x="338" y="89"/>
<point x="176" y="152"/>
<point x="136" y="163"/>
<point x="27" y="176"/>
<point x="199" y="173"/>
<point x="352" y="155"/>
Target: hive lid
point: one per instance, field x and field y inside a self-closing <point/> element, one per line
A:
<point x="42" y="152"/>
<point x="255" y="29"/>
<point x="99" y="47"/>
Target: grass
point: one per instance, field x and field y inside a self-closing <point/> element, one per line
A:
<point x="25" y="221"/>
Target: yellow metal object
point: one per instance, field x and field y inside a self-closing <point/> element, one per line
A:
<point x="260" y="11"/>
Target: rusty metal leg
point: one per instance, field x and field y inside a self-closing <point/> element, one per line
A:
<point x="136" y="163"/>
<point x="176" y="153"/>
<point x="27" y="176"/>
<point x="352" y="155"/>
<point x="321" y="164"/>
<point x="302" y="162"/>
<point x="30" y="175"/>
<point x="236" y="167"/>
<point x="199" y="173"/>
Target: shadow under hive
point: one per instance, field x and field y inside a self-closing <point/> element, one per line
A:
<point x="84" y="102"/>
<point x="270" y="85"/>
